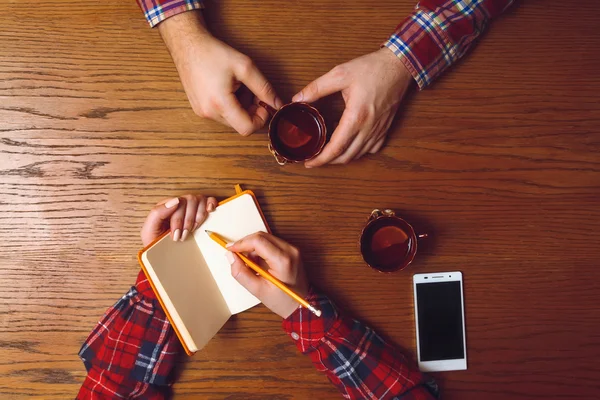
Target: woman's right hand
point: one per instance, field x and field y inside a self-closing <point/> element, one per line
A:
<point x="280" y="259"/>
<point x="212" y="72"/>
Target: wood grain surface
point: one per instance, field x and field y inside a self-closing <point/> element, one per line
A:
<point x="498" y="161"/>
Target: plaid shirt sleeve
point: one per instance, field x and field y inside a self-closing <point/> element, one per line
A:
<point x="157" y="11"/>
<point x="132" y="350"/>
<point x="439" y="32"/>
<point x="354" y="358"/>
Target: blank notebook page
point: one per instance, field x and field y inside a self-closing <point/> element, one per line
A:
<point x="233" y="220"/>
<point x="189" y="293"/>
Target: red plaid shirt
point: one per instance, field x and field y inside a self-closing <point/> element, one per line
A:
<point x="131" y="352"/>
<point x="428" y="41"/>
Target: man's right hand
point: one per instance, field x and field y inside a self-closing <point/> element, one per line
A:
<point x="211" y="72"/>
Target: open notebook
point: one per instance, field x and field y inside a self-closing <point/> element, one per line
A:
<point x="192" y="279"/>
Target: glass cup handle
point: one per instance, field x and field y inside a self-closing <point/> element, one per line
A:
<point x="280" y="160"/>
<point x="376" y="213"/>
<point x="267" y="107"/>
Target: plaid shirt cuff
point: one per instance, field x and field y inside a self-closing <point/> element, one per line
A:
<point x="142" y="285"/>
<point x="157" y="11"/>
<point x="423" y="47"/>
<point x="307" y="329"/>
<point x="132" y="349"/>
<point x="354" y="358"/>
<point x="439" y="32"/>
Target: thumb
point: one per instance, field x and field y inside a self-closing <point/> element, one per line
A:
<point x="330" y="83"/>
<point x="162" y="211"/>
<point x="153" y="226"/>
<point x="244" y="275"/>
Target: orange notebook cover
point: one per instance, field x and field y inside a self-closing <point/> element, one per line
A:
<point x="192" y="279"/>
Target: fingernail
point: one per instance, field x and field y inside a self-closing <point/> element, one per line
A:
<point x="196" y="225"/>
<point x="185" y="235"/>
<point x="176" y="235"/>
<point x="308" y="166"/>
<point x="228" y="245"/>
<point x="211" y="207"/>
<point x="230" y="257"/>
<point x="278" y="103"/>
<point x="298" y="97"/>
<point x="172" y="203"/>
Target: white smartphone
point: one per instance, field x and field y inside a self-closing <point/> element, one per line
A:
<point x="440" y="320"/>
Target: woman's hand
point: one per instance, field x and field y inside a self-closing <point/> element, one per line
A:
<point x="212" y="72"/>
<point x="182" y="215"/>
<point x="372" y="87"/>
<point x="280" y="259"/>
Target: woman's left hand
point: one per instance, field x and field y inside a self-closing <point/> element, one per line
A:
<point x="182" y="215"/>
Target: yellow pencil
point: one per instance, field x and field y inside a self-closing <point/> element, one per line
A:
<point x="266" y="275"/>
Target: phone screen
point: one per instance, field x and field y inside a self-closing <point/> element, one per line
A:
<point x="440" y="321"/>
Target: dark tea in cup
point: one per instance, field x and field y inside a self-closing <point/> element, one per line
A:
<point x="388" y="243"/>
<point x="297" y="132"/>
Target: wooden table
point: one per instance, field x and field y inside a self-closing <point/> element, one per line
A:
<point x="498" y="161"/>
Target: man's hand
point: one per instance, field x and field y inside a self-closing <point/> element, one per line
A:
<point x="372" y="87"/>
<point x="211" y="72"/>
<point x="280" y="259"/>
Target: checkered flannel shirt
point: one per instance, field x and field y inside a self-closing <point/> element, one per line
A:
<point x="131" y="353"/>
<point x="428" y="41"/>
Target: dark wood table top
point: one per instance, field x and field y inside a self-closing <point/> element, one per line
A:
<point x="498" y="161"/>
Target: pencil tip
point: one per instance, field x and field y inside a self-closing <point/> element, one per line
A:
<point x="208" y="232"/>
